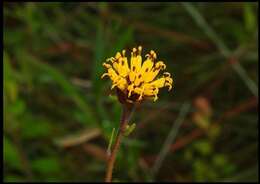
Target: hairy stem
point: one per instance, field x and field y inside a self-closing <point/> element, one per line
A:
<point x="127" y="110"/>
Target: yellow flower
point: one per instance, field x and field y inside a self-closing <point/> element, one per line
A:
<point x="139" y="80"/>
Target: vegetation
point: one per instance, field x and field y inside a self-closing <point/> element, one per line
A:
<point x="59" y="115"/>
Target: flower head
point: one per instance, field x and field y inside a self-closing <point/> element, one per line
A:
<point x="136" y="81"/>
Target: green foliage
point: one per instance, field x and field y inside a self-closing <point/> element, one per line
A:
<point x="249" y="18"/>
<point x="207" y="163"/>
<point x="11" y="155"/>
<point x="41" y="128"/>
<point x="46" y="165"/>
<point x="129" y="129"/>
<point x="203" y="147"/>
<point x="52" y="63"/>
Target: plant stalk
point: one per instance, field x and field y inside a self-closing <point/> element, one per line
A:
<point x="127" y="110"/>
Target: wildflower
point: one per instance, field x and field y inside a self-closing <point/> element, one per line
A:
<point x="136" y="81"/>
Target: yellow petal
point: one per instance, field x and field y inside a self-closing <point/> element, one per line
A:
<point x="130" y="89"/>
<point x="122" y="84"/>
<point x="152" y="55"/>
<point x="136" y="59"/>
<point x="138" y="79"/>
<point x="148" y="89"/>
<point x="159" y="83"/>
<point x="147" y="65"/>
<point x="139" y="91"/>
<point x="132" y="76"/>
<point x="146" y="70"/>
<point x="110" y="72"/>
<point x="105" y="74"/>
<point x="155" y="97"/>
<point x="160" y="65"/>
<point x="154" y="71"/>
<point x="135" y="63"/>
<point x="116" y="67"/>
<point x="118" y="55"/>
<point x="107" y="66"/>
<point x="124" y="67"/>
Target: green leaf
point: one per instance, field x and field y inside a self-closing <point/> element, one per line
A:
<point x="249" y="17"/>
<point x="35" y="128"/>
<point x="11" y="155"/>
<point x="129" y="129"/>
<point x="10" y="86"/>
<point x="200" y="169"/>
<point x="204" y="147"/>
<point x="110" y="141"/>
<point x="97" y="68"/>
<point x="219" y="160"/>
<point x="18" y="107"/>
<point x="46" y="165"/>
<point x="64" y="83"/>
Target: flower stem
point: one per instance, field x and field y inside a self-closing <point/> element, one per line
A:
<point x="127" y="110"/>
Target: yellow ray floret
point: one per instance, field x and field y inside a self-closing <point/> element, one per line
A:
<point x="139" y="80"/>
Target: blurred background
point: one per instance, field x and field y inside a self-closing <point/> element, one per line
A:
<point x="59" y="114"/>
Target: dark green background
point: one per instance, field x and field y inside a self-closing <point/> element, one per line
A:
<point x="53" y="55"/>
